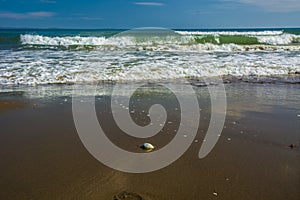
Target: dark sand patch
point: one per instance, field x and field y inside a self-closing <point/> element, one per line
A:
<point x="6" y="105"/>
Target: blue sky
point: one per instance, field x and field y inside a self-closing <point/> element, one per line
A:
<point x="136" y="13"/>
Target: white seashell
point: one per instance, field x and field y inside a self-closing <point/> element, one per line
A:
<point x="147" y="146"/>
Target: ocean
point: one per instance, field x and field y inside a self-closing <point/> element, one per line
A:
<point x="30" y="57"/>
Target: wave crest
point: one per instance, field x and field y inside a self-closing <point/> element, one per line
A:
<point x="186" y="39"/>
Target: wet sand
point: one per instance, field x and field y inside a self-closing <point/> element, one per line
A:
<point x="42" y="156"/>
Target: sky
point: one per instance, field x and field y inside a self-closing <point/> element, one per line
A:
<point x="136" y="13"/>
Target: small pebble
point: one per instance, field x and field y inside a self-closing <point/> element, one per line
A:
<point x="215" y="194"/>
<point x="65" y="100"/>
<point x="147" y="146"/>
<point x="196" y="141"/>
<point x="185" y="136"/>
<point x="228" y="139"/>
<point x="298" y="115"/>
<point x="292" y="146"/>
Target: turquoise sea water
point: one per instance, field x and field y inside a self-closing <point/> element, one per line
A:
<point x="52" y="56"/>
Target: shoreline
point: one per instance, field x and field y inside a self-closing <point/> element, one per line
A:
<point x="60" y="88"/>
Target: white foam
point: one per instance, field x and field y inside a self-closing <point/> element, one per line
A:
<point x="119" y="41"/>
<point x="251" y="33"/>
<point x="48" y="67"/>
<point x="278" y="39"/>
<point x="61" y="41"/>
<point x="208" y="47"/>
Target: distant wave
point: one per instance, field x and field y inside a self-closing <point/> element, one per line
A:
<point x="185" y="38"/>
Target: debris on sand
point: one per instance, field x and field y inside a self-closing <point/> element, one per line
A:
<point x="292" y="146"/>
<point x="127" y="196"/>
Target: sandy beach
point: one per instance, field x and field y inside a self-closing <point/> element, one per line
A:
<point x="150" y="100"/>
<point x="42" y="156"/>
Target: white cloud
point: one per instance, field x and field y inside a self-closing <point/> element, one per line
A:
<point x="149" y="3"/>
<point x="272" y="5"/>
<point x="12" y="15"/>
<point x="40" y="14"/>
